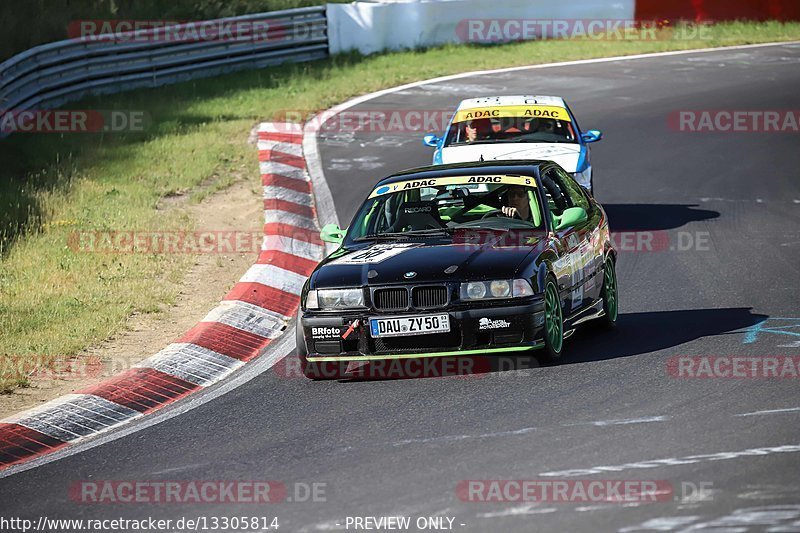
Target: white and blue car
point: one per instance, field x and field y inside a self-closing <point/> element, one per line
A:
<point x="516" y="128"/>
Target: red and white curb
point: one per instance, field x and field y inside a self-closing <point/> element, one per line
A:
<point x="254" y="313"/>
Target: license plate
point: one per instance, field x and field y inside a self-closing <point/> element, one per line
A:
<point x="409" y="325"/>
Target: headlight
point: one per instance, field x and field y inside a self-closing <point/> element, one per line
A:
<point x="312" y="302"/>
<point x="473" y="291"/>
<point x="502" y="288"/>
<point x="335" y="299"/>
<point x="521" y="288"/>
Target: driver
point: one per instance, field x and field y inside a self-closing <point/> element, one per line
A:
<point x="517" y="203"/>
<point x="478" y="129"/>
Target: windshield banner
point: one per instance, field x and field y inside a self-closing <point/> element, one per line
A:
<point x="400" y="186"/>
<point x="513" y="111"/>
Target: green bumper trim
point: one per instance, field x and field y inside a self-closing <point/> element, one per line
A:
<point x="421" y="355"/>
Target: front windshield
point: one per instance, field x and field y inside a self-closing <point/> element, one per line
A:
<point x="441" y="206"/>
<point x="511" y="124"/>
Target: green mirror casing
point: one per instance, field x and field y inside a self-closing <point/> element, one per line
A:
<point x="332" y="233"/>
<point x="571" y="217"/>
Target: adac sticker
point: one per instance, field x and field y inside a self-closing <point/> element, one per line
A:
<point x="525" y="181"/>
<point x="513" y="111"/>
<point x="375" y="254"/>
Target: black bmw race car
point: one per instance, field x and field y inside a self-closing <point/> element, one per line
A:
<point x="459" y="260"/>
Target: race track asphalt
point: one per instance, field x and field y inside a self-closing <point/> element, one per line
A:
<point x="400" y="447"/>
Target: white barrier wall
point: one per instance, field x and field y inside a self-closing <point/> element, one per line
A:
<point x="371" y="27"/>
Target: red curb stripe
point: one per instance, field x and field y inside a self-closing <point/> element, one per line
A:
<point x="290" y="207"/>
<point x="12" y="446"/>
<point x="142" y="389"/>
<point x="147" y="389"/>
<point x="280" y="136"/>
<point x="19" y="443"/>
<point x="273" y="229"/>
<point x="282" y="157"/>
<point x="226" y="340"/>
<point x="294" y="184"/>
<point x="287" y="261"/>
<point x="269" y="298"/>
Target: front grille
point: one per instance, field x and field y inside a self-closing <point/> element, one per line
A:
<point x="390" y="299"/>
<point x="429" y="297"/>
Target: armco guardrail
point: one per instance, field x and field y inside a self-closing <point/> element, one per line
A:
<point x="49" y="75"/>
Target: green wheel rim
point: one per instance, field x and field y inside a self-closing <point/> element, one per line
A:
<point x="611" y="291"/>
<point x="553" y="320"/>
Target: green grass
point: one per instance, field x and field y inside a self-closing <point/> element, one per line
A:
<point x="54" y="302"/>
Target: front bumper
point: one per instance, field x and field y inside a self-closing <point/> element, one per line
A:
<point x="473" y="330"/>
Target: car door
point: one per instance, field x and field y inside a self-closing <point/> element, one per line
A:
<point x="579" y="242"/>
<point x="594" y="249"/>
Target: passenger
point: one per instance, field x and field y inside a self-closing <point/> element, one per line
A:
<point x="545" y="125"/>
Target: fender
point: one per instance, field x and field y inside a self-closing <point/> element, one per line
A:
<point x="541" y="276"/>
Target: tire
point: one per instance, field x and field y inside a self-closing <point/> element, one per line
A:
<point x="610" y="295"/>
<point x="553" y="323"/>
<point x="316" y="370"/>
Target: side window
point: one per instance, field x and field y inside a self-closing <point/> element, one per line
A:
<point x="572" y="189"/>
<point x="574" y="120"/>
<point x="556" y="194"/>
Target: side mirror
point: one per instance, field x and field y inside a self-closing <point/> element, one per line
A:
<point x="431" y="140"/>
<point x="571" y="217"/>
<point x="332" y="233"/>
<point x="592" y="136"/>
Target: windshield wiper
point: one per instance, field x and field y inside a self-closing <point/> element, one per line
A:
<point x="405" y="234"/>
<point x="524" y="140"/>
<point x="431" y="231"/>
<point x="380" y="236"/>
<point x="472" y="143"/>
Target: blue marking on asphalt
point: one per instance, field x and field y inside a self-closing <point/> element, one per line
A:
<point x="751" y="333"/>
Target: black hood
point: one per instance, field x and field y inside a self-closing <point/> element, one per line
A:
<point x="432" y="260"/>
